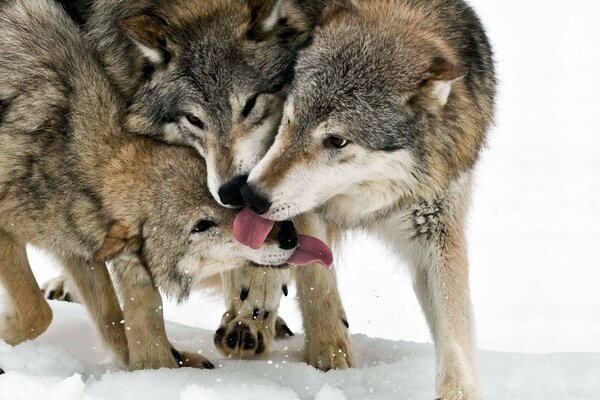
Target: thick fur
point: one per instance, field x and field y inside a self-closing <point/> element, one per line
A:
<point x="178" y="61"/>
<point x="207" y="74"/>
<point x="72" y="181"/>
<point x="197" y="63"/>
<point x="388" y="114"/>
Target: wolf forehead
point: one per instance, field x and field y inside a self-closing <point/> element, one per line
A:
<point x="217" y="47"/>
<point x="360" y="83"/>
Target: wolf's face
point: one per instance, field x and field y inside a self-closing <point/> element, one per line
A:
<point x="214" y="85"/>
<point x="355" y="127"/>
<point x="187" y="236"/>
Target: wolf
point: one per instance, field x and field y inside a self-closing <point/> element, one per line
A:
<point x="212" y="75"/>
<point x="387" y="115"/>
<point x="74" y="182"/>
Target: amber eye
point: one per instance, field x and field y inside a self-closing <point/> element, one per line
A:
<point x="197" y="122"/>
<point x="203" y="226"/>
<point x="335" y="142"/>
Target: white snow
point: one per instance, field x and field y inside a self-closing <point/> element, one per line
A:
<point x="69" y="363"/>
<point x="533" y="232"/>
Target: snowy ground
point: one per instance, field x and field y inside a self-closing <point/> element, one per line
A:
<point x="534" y="232"/>
<point x="74" y="366"/>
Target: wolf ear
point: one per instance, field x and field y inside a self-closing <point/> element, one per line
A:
<point x="295" y="20"/>
<point x="120" y="239"/>
<point x="149" y="33"/>
<point x="440" y="79"/>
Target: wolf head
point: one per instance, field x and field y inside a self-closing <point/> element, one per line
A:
<point x="383" y="107"/>
<point x="214" y="80"/>
<point x="181" y="235"/>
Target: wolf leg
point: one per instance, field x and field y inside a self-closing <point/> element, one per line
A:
<point x="437" y="254"/>
<point x="251" y="323"/>
<point x="29" y="315"/>
<point x="149" y="346"/>
<point x="98" y="294"/>
<point x="325" y="322"/>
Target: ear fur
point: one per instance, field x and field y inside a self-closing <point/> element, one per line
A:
<point x="295" y="20"/>
<point x="440" y="79"/>
<point x="149" y="33"/>
<point x="119" y="240"/>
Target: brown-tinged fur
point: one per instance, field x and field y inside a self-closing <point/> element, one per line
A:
<point x="73" y="182"/>
<point x="212" y="62"/>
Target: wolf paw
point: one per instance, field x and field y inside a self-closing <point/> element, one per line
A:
<point x="176" y="359"/>
<point x="327" y="356"/>
<point x="330" y="349"/>
<point x="191" y="360"/>
<point x="61" y="288"/>
<point x="247" y="337"/>
<point x="457" y="388"/>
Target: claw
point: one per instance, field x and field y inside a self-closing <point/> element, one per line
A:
<point x="261" y="344"/>
<point x="219" y="334"/>
<point x="284" y="288"/>
<point x="208" y="365"/>
<point x="68" y="298"/>
<point x="287" y="330"/>
<point x="267" y="313"/>
<point x="345" y="321"/>
<point x="51" y="295"/>
<point x="255" y="313"/>
<point x="244" y="294"/>
<point x="177" y="356"/>
<point x="1" y="371"/>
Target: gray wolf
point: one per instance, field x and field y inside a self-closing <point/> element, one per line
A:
<point x="74" y="182"/>
<point x="212" y="75"/>
<point x="389" y="111"/>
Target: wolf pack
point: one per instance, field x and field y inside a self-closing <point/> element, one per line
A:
<point x="160" y="146"/>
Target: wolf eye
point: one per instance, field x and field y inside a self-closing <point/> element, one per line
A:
<point x="335" y="142"/>
<point x="203" y="226"/>
<point x="249" y="106"/>
<point x="197" y="122"/>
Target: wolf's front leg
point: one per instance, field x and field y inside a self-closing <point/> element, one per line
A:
<point x="437" y="254"/>
<point x="149" y="347"/>
<point x="251" y="323"/>
<point x="325" y="322"/>
<point x="98" y="294"/>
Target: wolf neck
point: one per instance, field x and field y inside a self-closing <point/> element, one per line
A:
<point x="106" y="153"/>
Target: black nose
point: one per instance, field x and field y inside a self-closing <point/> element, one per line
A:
<point x="255" y="200"/>
<point x="287" y="237"/>
<point x="230" y="192"/>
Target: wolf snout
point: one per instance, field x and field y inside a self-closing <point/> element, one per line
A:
<point x="230" y="193"/>
<point x="256" y="200"/>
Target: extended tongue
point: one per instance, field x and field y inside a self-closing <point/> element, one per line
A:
<point x="311" y="250"/>
<point x="251" y="229"/>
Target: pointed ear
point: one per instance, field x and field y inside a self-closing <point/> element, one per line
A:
<point x="149" y="33"/>
<point x="120" y="239"/>
<point x="440" y="79"/>
<point x="295" y="20"/>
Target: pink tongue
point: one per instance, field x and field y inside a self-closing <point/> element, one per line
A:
<point x="250" y="229"/>
<point x="310" y="251"/>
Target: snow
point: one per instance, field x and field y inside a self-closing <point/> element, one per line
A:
<point x="533" y="232"/>
<point x="69" y="363"/>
